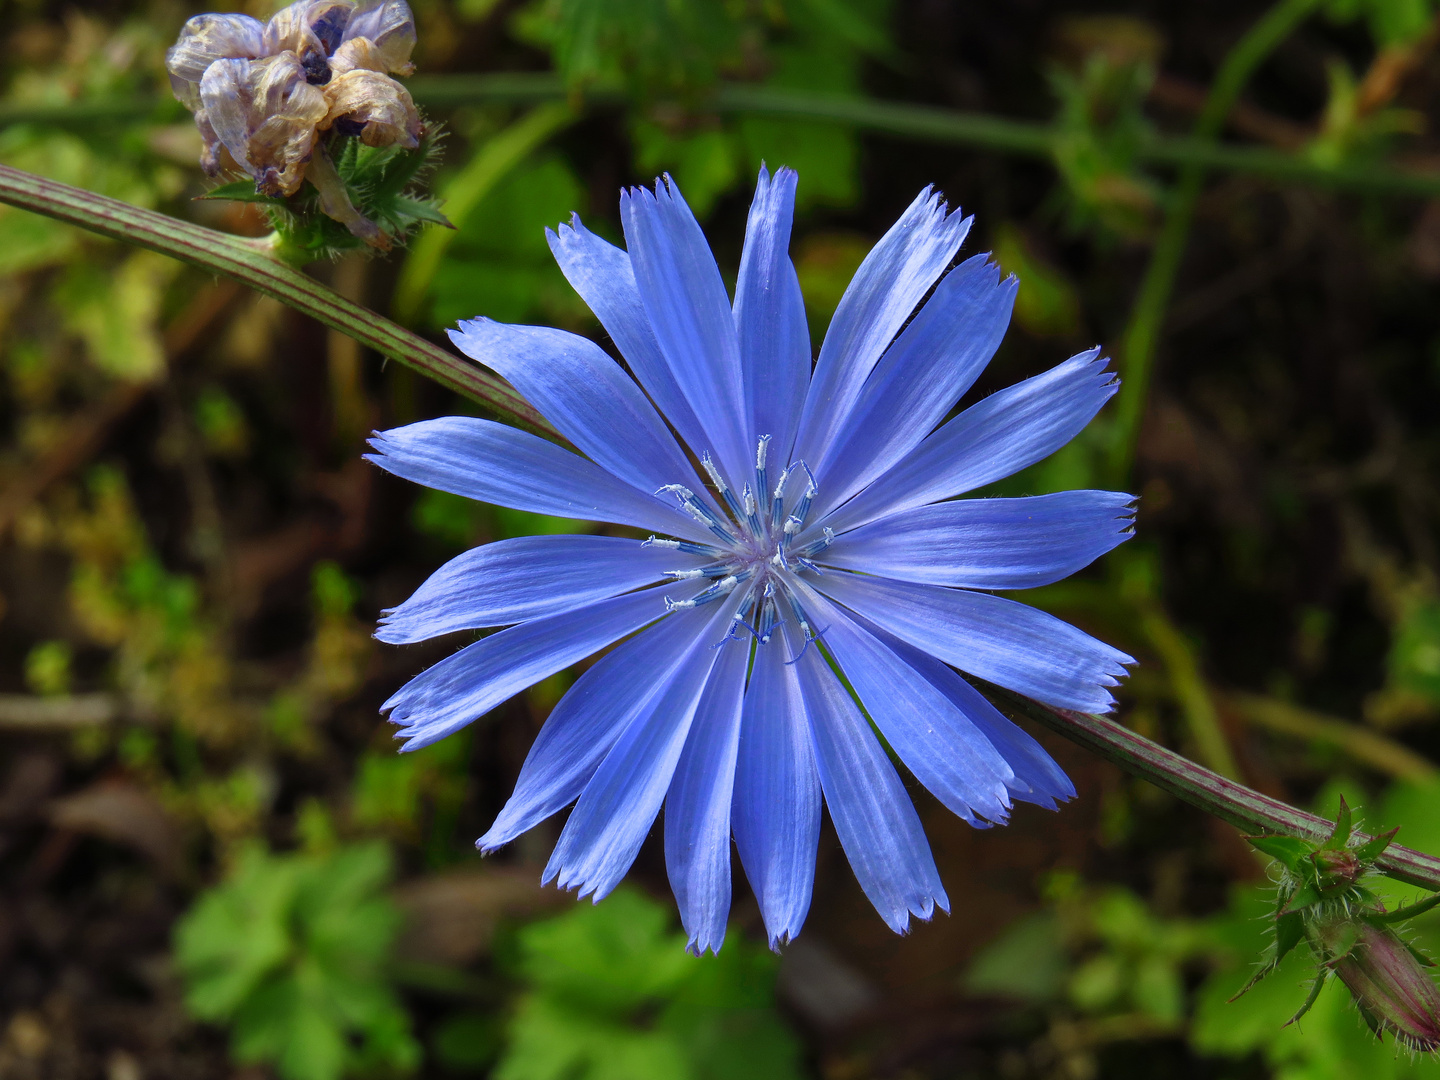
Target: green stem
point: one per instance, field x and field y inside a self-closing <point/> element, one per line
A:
<point x="1247" y="810"/>
<point x="1142" y="335"/>
<point x="923" y="123"/>
<point x="253" y="263"/>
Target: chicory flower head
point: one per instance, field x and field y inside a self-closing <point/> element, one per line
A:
<point x="820" y="572"/>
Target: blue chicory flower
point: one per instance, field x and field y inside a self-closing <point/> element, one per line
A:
<point x="827" y="543"/>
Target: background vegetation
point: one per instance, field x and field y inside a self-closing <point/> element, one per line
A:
<point x="213" y="863"/>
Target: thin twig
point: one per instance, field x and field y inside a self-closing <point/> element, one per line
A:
<point x="925" y="123"/>
<point x="21" y="712"/>
<point x="1142" y="335"/>
<point x="1360" y="743"/>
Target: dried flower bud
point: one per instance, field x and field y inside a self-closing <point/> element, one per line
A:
<point x="373" y="106"/>
<point x="312" y="30"/>
<point x="265" y="113"/>
<point x="205" y="39"/>
<point x="277" y="100"/>
<point x="390" y="27"/>
<point x="1394" y="992"/>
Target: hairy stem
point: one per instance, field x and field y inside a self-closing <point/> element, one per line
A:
<point x="1247" y="810"/>
<point x="253" y="263"/>
<point x="1142" y="335"/>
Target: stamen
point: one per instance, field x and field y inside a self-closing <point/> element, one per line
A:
<point x="769" y="614"/>
<point x="803" y="509"/>
<point x="762" y="451"/>
<point x="804" y="621"/>
<point x="808" y="565"/>
<point x="699" y="511"/>
<point x="715" y="570"/>
<point x="720" y="486"/>
<point x="793" y="525"/>
<point x="720" y="589"/>
<point x="777" y="503"/>
<point x="816" y="546"/>
<point x="741" y="621"/>
<point x="752" y="517"/>
<point x="684" y="546"/>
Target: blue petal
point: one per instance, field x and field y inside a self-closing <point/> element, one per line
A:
<point x="935" y="739"/>
<point x="697" y="808"/>
<point x="1038" y="779"/>
<point x="874" y="818"/>
<point x="444" y="698"/>
<point x="495" y="463"/>
<point x="892" y="280"/>
<point x="690" y="314"/>
<point x="770" y="318"/>
<point x="601" y="273"/>
<point x="527" y="577"/>
<point x="590" y="718"/>
<point x="586" y="395"/>
<point x="920" y="377"/>
<point x="990" y="543"/>
<point x="776" y="810"/>
<point x="1008" y="431"/>
<point x="999" y="640"/>
<point x="619" y="804"/>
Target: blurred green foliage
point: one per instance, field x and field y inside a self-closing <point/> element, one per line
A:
<point x="611" y="994"/>
<point x="290" y="952"/>
<point x="670" y="55"/>
<point x="499" y="264"/>
<point x="1390" y="22"/>
<point x="1101" y="951"/>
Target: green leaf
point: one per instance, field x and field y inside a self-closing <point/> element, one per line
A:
<point x="1286" y="850"/>
<point x="236" y="935"/>
<point x="241" y="191"/>
<point x="291" y="950"/>
<point x="1406" y="911"/>
<point x="614" y="996"/>
<point x="421" y="210"/>
<point x="1372" y="849"/>
<point x="1289" y="932"/>
<point x="1301" y="898"/>
<point x="1027" y="961"/>
<point x="1316" y="985"/>
<point x="1343" y="826"/>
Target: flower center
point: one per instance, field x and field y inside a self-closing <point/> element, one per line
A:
<point x="755" y="549"/>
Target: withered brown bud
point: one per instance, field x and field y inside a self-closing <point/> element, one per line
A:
<point x="373" y="106"/>
<point x="262" y="94"/>
<point x="205" y="39"/>
<point x="390" y="28"/>
<point x="266" y="114"/>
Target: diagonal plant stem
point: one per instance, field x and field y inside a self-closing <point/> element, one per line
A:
<point x="1246" y="809"/>
<point x="252" y="263"/>
<point x="1142" y="335"/>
